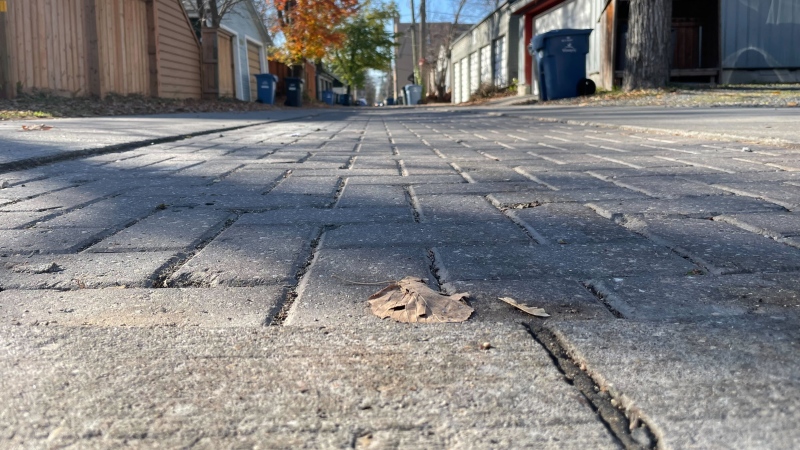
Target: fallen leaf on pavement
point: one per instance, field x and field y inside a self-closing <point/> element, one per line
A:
<point x="411" y="300"/>
<point x="40" y="127"/>
<point x="538" y="312"/>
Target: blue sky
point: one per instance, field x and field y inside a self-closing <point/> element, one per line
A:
<point x="443" y="11"/>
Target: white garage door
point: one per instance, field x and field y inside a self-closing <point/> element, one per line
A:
<point x="465" y="80"/>
<point x="474" y="74"/>
<point x="456" y="97"/>
<point x="486" y="64"/>
<point x="500" y="62"/>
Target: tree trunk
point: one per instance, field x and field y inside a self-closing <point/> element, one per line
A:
<point x="648" y="49"/>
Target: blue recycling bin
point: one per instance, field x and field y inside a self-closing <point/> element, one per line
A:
<point x="265" y="87"/>
<point x="389" y="101"/>
<point x="561" y="63"/>
<point x="294" y="91"/>
<point x="327" y="97"/>
<point x="344" y="99"/>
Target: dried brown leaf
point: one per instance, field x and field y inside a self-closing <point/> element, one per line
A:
<point x="411" y="300"/>
<point x="40" y="127"/>
<point x="532" y="310"/>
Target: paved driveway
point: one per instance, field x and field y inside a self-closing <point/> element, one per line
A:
<point x="211" y="290"/>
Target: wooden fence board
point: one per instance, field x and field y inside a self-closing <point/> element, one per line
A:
<point x="178" y="45"/>
<point x="97" y="47"/>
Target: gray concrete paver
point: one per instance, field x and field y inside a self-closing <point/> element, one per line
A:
<point x="713" y="384"/>
<point x="458" y="208"/>
<point x="544" y="195"/>
<point x="424" y="234"/>
<point x="50" y="240"/>
<point x="702" y="297"/>
<point x="169" y="229"/>
<point x="324" y="216"/>
<point x="707" y="206"/>
<point x="576" y="262"/>
<point x="295" y="387"/>
<point x="571" y="223"/>
<point x="114" y="307"/>
<point x="772" y="225"/>
<point x="247" y="256"/>
<point x="339" y="282"/>
<point x="721" y="247"/>
<point x="83" y="270"/>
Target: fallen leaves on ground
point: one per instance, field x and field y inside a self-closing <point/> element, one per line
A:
<point x="532" y="310"/>
<point x="411" y="300"/>
<point x="40" y="127"/>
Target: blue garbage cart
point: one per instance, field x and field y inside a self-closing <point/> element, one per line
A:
<point x="389" y="101"/>
<point x="327" y="97"/>
<point x="561" y="63"/>
<point x="344" y="99"/>
<point x="265" y="87"/>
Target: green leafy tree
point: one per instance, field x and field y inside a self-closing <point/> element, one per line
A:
<point x="366" y="45"/>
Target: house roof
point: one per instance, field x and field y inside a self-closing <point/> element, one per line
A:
<point x="191" y="9"/>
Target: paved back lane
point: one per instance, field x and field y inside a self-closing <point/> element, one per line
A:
<point x="213" y="289"/>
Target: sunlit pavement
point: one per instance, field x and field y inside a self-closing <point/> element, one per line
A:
<point x="203" y="281"/>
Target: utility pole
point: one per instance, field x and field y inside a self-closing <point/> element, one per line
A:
<point x="414" y="65"/>
<point x="423" y="44"/>
<point x="6" y="90"/>
<point x="396" y="54"/>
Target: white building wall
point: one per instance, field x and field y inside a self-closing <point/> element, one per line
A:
<point x="469" y="46"/>
<point x="580" y="14"/>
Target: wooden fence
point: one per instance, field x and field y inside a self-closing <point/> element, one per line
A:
<point x="282" y="71"/>
<point x="98" y="47"/>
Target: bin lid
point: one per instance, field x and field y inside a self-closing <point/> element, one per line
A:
<point x="539" y="41"/>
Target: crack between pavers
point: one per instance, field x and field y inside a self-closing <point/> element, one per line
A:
<point x="61" y="212"/>
<point x="41" y="194"/>
<point x="350" y="163"/>
<point x="413" y="201"/>
<point x="225" y="174"/>
<point x="599" y="291"/>
<point x="308" y="156"/>
<point x="276" y="182"/>
<point x="529" y="231"/>
<point x="161" y="277"/>
<point x="633" y="433"/>
<point x="438" y="271"/>
<point x="459" y="170"/>
<point x="337" y="195"/>
<point x="114" y="230"/>
<point x="401" y="168"/>
<point x="284" y="308"/>
<point x="31" y="163"/>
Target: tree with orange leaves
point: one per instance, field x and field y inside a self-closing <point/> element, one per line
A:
<point x="309" y="27"/>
